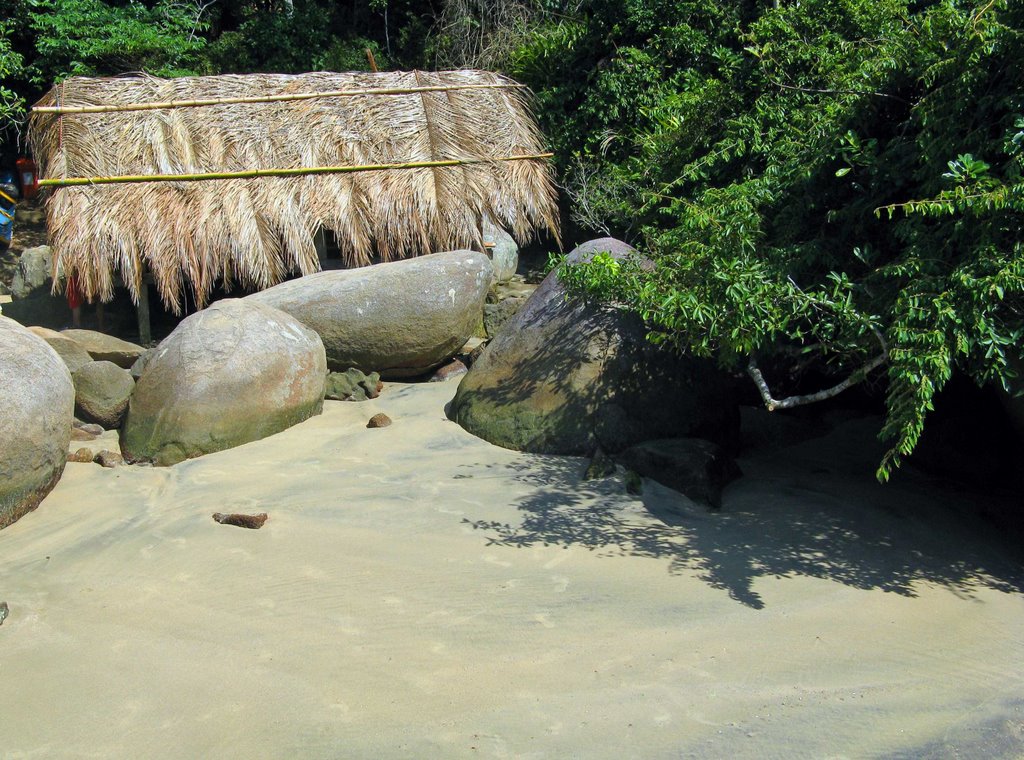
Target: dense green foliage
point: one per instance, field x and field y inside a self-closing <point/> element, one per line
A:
<point x="12" y="105"/>
<point x="818" y="183"/>
<point x="44" y="41"/>
<point x="826" y="180"/>
<point x="89" y="37"/>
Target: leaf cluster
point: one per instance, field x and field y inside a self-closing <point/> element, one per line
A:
<point x="807" y="178"/>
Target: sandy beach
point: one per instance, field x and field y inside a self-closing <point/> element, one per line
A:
<point x="417" y="592"/>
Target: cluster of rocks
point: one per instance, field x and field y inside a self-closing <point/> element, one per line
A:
<point x="238" y="371"/>
<point x="557" y="376"/>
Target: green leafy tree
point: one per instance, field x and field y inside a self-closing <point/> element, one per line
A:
<point x="829" y="184"/>
<point x="12" y="105"/>
<point x="93" y="37"/>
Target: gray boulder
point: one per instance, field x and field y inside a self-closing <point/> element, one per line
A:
<point x="102" y="390"/>
<point x="696" y="468"/>
<point x="566" y="378"/>
<point x="235" y="372"/>
<point x="71" y="351"/>
<point x="140" y="364"/>
<point x="107" y="348"/>
<point x="37" y="402"/>
<point x="34" y="274"/>
<point x="497" y="315"/>
<point x="400" y="319"/>
<point x="503" y="250"/>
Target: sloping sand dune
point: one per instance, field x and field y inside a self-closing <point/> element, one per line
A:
<point x="419" y="593"/>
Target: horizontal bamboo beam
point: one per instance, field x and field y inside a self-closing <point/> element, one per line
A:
<point x="300" y="172"/>
<point x="268" y="98"/>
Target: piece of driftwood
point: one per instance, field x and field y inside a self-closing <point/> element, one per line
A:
<point x="242" y="521"/>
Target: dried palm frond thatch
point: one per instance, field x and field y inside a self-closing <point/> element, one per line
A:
<point x="256" y="231"/>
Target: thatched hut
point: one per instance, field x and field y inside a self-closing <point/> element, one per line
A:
<point x="329" y="133"/>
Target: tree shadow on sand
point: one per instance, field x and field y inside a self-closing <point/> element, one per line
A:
<point x="813" y="510"/>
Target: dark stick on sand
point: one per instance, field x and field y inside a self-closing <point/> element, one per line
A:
<point x="242" y="521"/>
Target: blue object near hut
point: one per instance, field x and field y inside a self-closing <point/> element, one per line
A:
<point x="8" y="202"/>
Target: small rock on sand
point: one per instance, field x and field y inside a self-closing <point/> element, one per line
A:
<point x="454" y="368"/>
<point x="378" y="421"/>
<point x="81" y="455"/>
<point x="108" y="458"/>
<point x="253" y="522"/>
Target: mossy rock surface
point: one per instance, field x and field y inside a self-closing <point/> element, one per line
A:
<point x="563" y="377"/>
<point x="37" y="402"/>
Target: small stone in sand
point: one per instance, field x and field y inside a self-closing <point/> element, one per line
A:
<point x="242" y="521"/>
<point x="378" y="421"/>
<point x="108" y="458"/>
<point x="88" y="427"/>
<point x="78" y="434"/>
<point x="81" y="455"/>
<point x="454" y="368"/>
<point x="4" y="612"/>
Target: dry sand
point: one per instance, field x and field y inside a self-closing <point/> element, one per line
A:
<point x="419" y="593"/>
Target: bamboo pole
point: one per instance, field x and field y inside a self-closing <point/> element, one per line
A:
<point x="299" y="172"/>
<point x="268" y="98"/>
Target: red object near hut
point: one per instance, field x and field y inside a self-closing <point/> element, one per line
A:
<point x="29" y="177"/>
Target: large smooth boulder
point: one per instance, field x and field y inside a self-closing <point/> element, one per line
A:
<point x="71" y="351"/>
<point x="564" y="377"/>
<point x="235" y="372"/>
<point x="107" y="348"/>
<point x="400" y="319"/>
<point x="37" y="403"/>
<point x="102" y="390"/>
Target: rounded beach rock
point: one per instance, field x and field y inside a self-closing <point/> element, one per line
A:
<point x="70" y="350"/>
<point x="37" y="401"/>
<point x="235" y="372"/>
<point x="401" y="319"/>
<point x="102" y="390"/>
<point x="564" y="377"/>
<point x="106" y="348"/>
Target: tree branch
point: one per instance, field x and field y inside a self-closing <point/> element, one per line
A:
<point x="837" y="92"/>
<point x="789" y="402"/>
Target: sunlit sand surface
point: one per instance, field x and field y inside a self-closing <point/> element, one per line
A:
<point x="417" y="592"/>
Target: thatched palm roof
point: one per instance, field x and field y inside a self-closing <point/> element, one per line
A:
<point x="256" y="231"/>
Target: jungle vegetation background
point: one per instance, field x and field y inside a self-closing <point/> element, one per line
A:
<point x="828" y="188"/>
